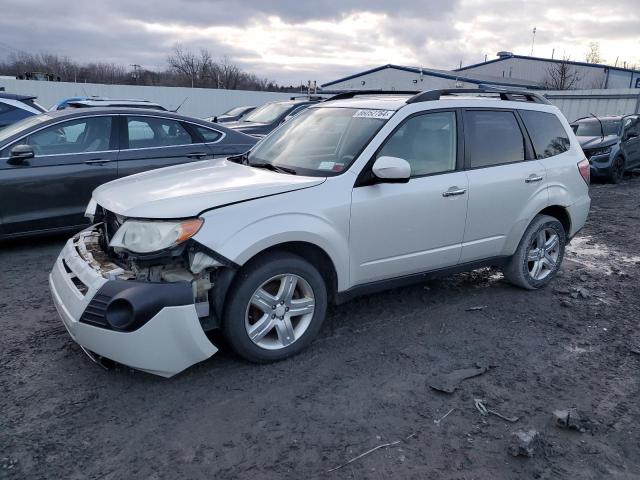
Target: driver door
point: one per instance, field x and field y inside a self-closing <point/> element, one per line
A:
<point x="51" y="190"/>
<point x="398" y="229"/>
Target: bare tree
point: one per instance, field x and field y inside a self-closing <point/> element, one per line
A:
<point x="185" y="62"/>
<point x="593" y="54"/>
<point x="562" y="75"/>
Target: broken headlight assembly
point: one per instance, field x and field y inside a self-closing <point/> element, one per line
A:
<point x="147" y="236"/>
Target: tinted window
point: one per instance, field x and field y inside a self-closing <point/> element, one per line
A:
<point x="427" y="142"/>
<point x="493" y="138"/>
<point x="592" y="128"/>
<point x="547" y="133"/>
<point x="631" y="125"/>
<point x="146" y="132"/>
<point x="207" y="134"/>
<point x="4" y="108"/>
<point x="76" y="136"/>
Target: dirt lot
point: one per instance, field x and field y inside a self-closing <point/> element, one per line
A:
<point x="363" y="383"/>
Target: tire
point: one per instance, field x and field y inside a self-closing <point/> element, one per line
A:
<point x="616" y="172"/>
<point x="525" y="272"/>
<point x="254" y="307"/>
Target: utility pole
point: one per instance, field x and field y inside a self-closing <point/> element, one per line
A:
<point x="533" y="41"/>
<point x="135" y="71"/>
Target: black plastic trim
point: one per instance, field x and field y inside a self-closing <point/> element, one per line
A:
<point x="403" y="281"/>
<point x="141" y="302"/>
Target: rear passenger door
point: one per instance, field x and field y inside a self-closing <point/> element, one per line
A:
<point x="504" y="179"/>
<point x="150" y="142"/>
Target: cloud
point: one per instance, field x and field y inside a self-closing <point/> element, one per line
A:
<point x="292" y="41"/>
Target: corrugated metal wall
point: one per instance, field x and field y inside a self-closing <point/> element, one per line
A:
<point x="200" y="102"/>
<point x="576" y="104"/>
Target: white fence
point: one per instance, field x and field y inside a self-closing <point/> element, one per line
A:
<point x="576" y="104"/>
<point x="198" y="102"/>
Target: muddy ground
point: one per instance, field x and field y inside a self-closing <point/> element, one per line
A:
<point x="363" y="383"/>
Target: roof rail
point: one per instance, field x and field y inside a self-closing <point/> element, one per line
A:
<point x="353" y="93"/>
<point x="505" y="94"/>
<point x="309" y="97"/>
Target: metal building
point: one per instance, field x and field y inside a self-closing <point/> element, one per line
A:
<point x="398" y="77"/>
<point x="539" y="71"/>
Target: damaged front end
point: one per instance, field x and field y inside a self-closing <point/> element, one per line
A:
<point x="207" y="273"/>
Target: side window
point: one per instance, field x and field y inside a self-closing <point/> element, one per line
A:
<point x="631" y="125"/>
<point x="148" y="132"/>
<point x="493" y="138"/>
<point x="84" y="135"/>
<point x="5" y="108"/>
<point x="427" y="142"/>
<point x="547" y="134"/>
<point x="208" y="134"/>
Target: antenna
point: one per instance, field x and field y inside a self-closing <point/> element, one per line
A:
<point x="533" y="41"/>
<point x="553" y="52"/>
<point x="176" y="110"/>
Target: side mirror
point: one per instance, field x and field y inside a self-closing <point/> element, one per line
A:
<point x="215" y="119"/>
<point x="20" y="153"/>
<point x="392" y="169"/>
<point x="630" y="135"/>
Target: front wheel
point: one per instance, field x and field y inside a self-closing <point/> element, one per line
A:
<point x="275" y="308"/>
<point x="539" y="254"/>
<point x="616" y="173"/>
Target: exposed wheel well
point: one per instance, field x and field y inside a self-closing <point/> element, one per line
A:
<point x="314" y="255"/>
<point x="556" y="211"/>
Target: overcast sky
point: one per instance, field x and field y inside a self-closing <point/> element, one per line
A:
<point x="295" y="40"/>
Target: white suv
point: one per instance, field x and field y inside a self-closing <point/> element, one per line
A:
<point x="360" y="193"/>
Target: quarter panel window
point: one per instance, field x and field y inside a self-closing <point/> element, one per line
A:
<point x="493" y="138"/>
<point x="208" y="134"/>
<point x="76" y="136"/>
<point x="427" y="142"/>
<point x="149" y="132"/>
<point x="547" y="134"/>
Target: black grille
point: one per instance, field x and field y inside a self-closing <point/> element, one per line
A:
<point x="95" y="312"/>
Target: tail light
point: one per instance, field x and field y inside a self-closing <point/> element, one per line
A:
<point x="585" y="170"/>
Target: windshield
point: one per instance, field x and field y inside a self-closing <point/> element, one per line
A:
<point x="235" y="111"/>
<point x="267" y="113"/>
<point x="17" y="127"/>
<point x="591" y="128"/>
<point x="320" y="141"/>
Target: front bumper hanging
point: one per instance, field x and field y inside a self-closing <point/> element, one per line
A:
<point x="152" y="327"/>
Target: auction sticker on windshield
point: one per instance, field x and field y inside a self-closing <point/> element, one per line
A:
<point x="370" y="113"/>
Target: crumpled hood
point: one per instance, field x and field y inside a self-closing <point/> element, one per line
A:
<point x="597" y="141"/>
<point x="188" y="189"/>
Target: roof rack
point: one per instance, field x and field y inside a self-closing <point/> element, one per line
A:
<point x="353" y="93"/>
<point x="505" y="94"/>
<point x="309" y="97"/>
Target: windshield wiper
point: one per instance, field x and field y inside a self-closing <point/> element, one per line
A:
<point x="274" y="168"/>
<point x="242" y="159"/>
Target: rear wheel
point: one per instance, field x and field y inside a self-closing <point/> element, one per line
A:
<point x="616" y="174"/>
<point x="275" y="308"/>
<point x="539" y="254"/>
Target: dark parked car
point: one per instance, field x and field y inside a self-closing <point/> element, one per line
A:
<point x="612" y="144"/>
<point x="16" y="107"/>
<point x="50" y="163"/>
<point x="263" y="120"/>
<point x="232" y="115"/>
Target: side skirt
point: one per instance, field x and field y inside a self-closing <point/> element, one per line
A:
<point x="397" y="282"/>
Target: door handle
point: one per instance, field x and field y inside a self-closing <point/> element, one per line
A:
<point x="453" y="191"/>
<point x="533" y="178"/>
<point x="197" y="155"/>
<point x="97" y="161"/>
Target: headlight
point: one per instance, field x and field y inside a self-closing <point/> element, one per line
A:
<point x="142" y="236"/>
<point x="601" y="151"/>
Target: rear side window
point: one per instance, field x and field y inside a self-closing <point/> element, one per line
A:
<point x="493" y="138"/>
<point x="150" y="132"/>
<point x="207" y="134"/>
<point x="547" y="134"/>
<point x="4" y="108"/>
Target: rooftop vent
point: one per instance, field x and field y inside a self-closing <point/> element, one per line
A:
<point x="504" y="54"/>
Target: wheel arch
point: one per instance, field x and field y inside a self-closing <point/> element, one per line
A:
<point x="561" y="214"/>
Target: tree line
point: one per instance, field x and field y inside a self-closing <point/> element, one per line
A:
<point x="185" y="68"/>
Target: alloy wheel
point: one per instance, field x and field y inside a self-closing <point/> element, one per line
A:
<point x="279" y="311"/>
<point x="542" y="257"/>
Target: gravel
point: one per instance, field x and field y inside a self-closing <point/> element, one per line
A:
<point x="363" y="383"/>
